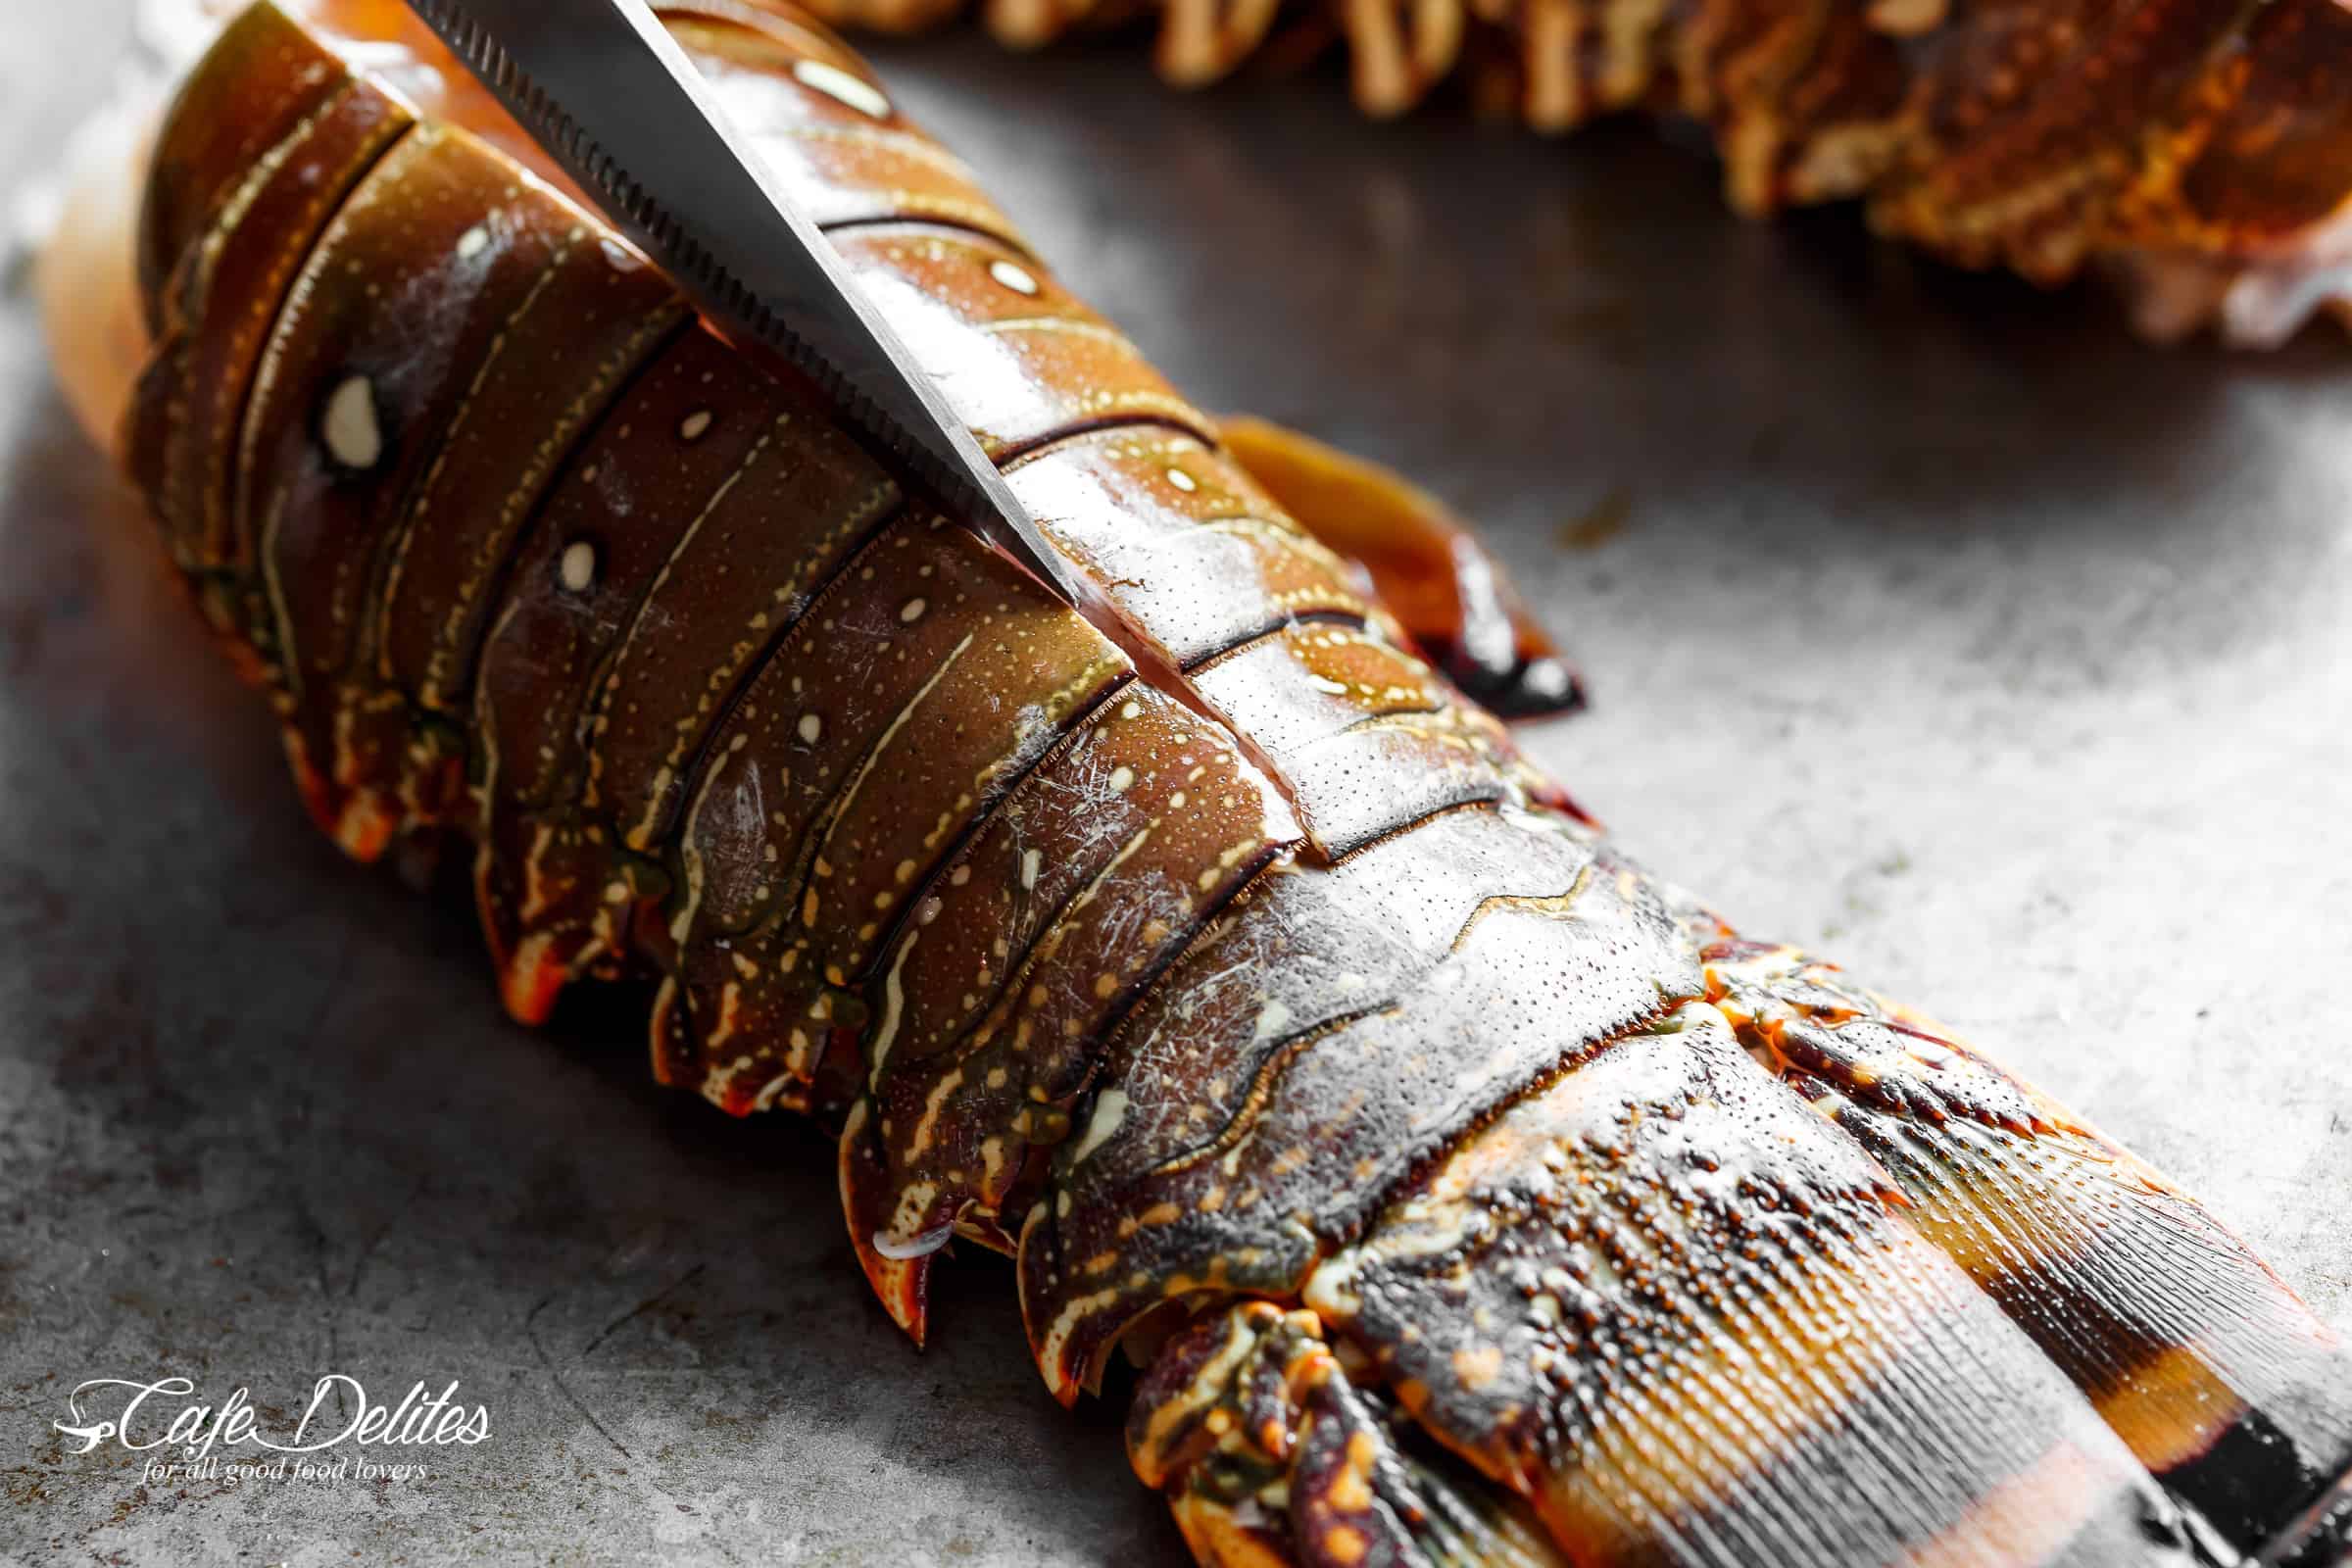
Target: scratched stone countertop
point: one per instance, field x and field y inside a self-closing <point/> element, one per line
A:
<point x="1931" y="622"/>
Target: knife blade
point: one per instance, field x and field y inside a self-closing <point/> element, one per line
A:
<point x="614" y="100"/>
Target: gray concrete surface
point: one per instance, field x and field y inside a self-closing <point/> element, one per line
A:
<point x="1938" y="625"/>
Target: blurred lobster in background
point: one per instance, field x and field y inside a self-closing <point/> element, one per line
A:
<point x="1467" y="1195"/>
<point x="2197" y="151"/>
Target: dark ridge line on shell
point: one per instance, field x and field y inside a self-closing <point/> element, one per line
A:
<point x="501" y="574"/>
<point x="1287" y="1049"/>
<point x="1397" y="717"/>
<point x="1043" y="445"/>
<point x="1112" y="1028"/>
<point x="964" y="1046"/>
<point x="1278" y="1055"/>
<point x="659" y="839"/>
<point x="1267" y="630"/>
<point x="1013" y="453"/>
<point x="980" y="821"/>
<point x="1495" y="795"/>
<point x="820" y="831"/>
<point x="1526" y="903"/>
<point x="1476" y="803"/>
<point x="747" y="17"/>
<point x="235" y="502"/>
<point x="902" y="139"/>
<point x="950" y="226"/>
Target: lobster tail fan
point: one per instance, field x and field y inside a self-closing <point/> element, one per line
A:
<point x="2213" y="1373"/>
<point x="1692" y="1323"/>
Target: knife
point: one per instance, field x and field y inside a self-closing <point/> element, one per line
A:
<point x="601" y="87"/>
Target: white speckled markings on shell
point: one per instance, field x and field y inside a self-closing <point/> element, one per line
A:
<point x="841" y="87"/>
<point x="576" y="568"/>
<point x="350" y="427"/>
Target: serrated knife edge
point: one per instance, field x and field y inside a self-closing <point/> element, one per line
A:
<point x="924" y="435"/>
<point x="618" y="49"/>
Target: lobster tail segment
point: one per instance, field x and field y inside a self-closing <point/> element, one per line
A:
<point x="263" y="142"/>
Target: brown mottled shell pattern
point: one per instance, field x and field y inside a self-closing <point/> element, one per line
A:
<point x="1468" y="1194"/>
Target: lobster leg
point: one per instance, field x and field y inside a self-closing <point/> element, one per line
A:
<point x="2199" y="149"/>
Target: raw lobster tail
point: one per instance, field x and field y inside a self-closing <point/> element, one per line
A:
<point x="2200" y="149"/>
<point x="1473" y="1197"/>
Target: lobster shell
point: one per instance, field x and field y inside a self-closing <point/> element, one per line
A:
<point x="1471" y="1195"/>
